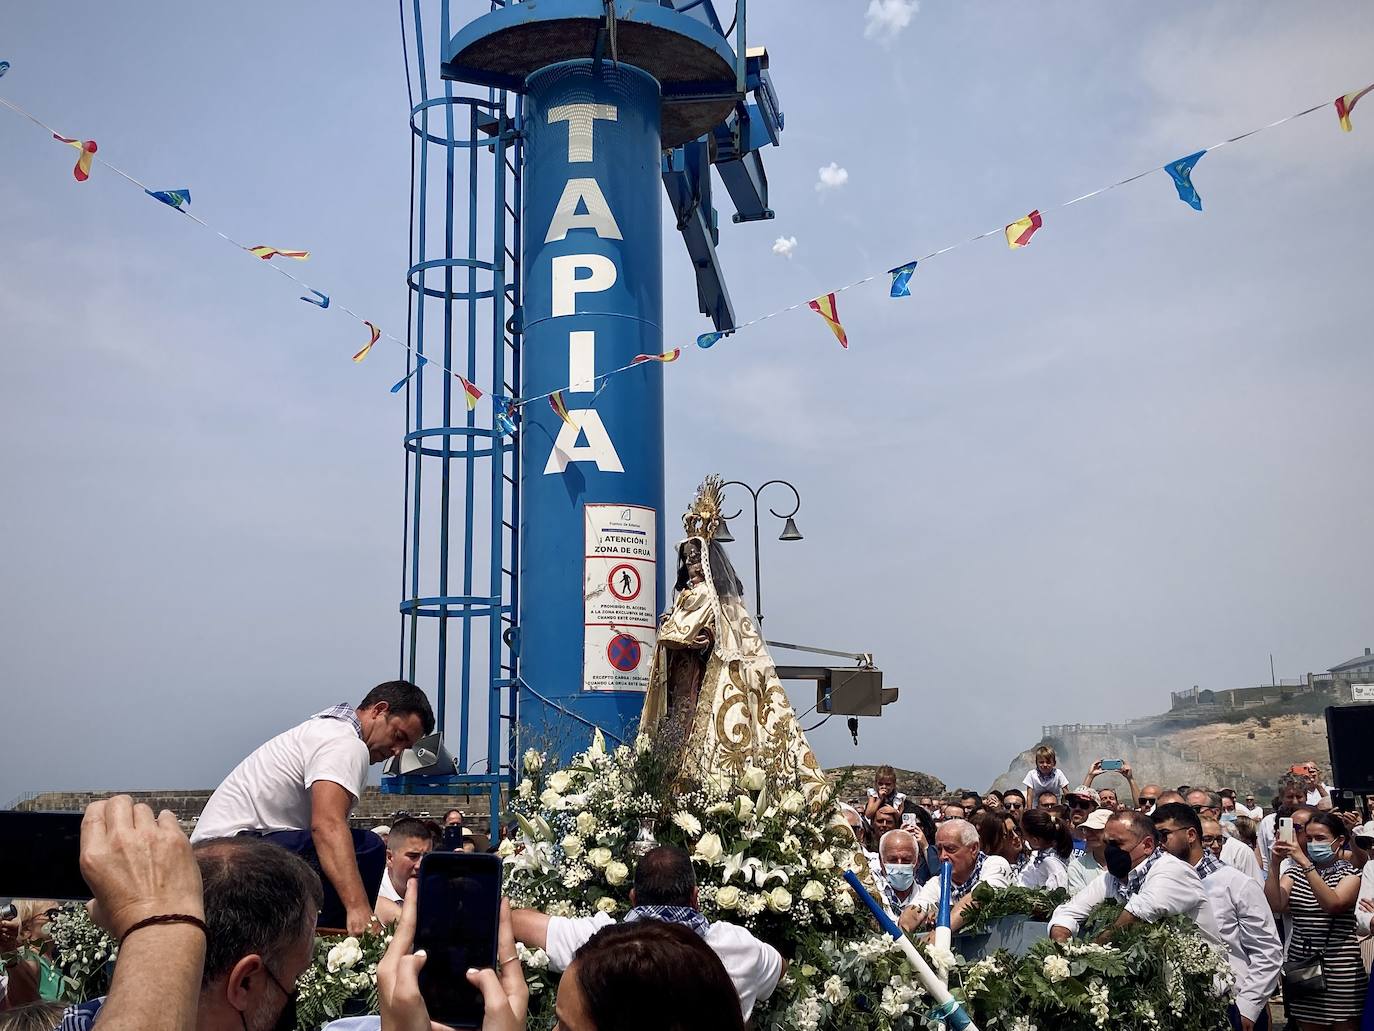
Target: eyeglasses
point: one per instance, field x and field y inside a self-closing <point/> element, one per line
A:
<point x="1213" y="839"/>
<point x="1016" y="805"/>
<point x="1148" y="799"/>
<point x="1080" y="803"/>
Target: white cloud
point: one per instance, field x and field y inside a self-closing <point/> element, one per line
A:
<point x="884" y="19"/>
<point x="785" y="245"/>
<point x="832" y="177"/>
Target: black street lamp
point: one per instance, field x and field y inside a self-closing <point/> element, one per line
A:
<point x="789" y="531"/>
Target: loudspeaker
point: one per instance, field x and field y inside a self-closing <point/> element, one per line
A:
<point x="429" y="756"/>
<point x="1350" y="737"/>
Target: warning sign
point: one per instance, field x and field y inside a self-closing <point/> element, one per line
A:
<point x="619" y="597"/>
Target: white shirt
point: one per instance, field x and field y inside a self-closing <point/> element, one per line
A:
<point x="1036" y="784"/>
<point x="1246" y="925"/>
<point x="1362" y="919"/>
<point x="1083" y="870"/>
<point x="1266" y="835"/>
<point x="270" y="790"/>
<point x="753" y="965"/>
<point x="996" y="871"/>
<point x="388" y="890"/>
<point x="1315" y="796"/>
<point x="1171" y="886"/>
<point x="1238" y="854"/>
<point x="1048" y="872"/>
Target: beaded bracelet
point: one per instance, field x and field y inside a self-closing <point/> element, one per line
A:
<point x="166" y="918"/>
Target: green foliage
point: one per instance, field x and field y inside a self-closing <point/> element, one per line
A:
<point x="990" y="904"/>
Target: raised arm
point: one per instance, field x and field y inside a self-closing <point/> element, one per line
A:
<point x="1276" y="888"/>
<point x="531" y="927"/>
<point x="329" y="806"/>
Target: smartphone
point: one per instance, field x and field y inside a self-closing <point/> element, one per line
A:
<point x="1113" y="764"/>
<point x="1286" y="833"/>
<point x="42" y="856"/>
<point x="459" y="910"/>
<point x="1301" y="771"/>
<point x="908" y="819"/>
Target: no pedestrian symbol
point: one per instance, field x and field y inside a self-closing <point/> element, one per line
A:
<point x="624" y="653"/>
<point x="624" y="582"/>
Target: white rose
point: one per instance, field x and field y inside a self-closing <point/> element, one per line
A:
<point x="605" y="904"/>
<point x="526" y="788"/>
<point x="586" y="824"/>
<point x="823" y="860"/>
<point x="551" y="799"/>
<point x="792" y="802"/>
<point x="687" y="822"/>
<point x="744" y="808"/>
<point x="779" y="900"/>
<point x="506" y="849"/>
<point x="835" y="990"/>
<point x="617" y="873"/>
<point x="727" y="897"/>
<point x="572" y="846"/>
<point x="560" y="781"/>
<point x="1056" y="968"/>
<point x="813" y="891"/>
<point x="534" y="762"/>
<point x="599" y="857"/>
<point x="844" y="902"/>
<point x="709" y="849"/>
<point x="753" y="778"/>
<point x="344" y="955"/>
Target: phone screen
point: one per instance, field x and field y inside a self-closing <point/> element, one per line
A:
<point x="42" y="855"/>
<point x="1112" y="764"/>
<point x="459" y="910"/>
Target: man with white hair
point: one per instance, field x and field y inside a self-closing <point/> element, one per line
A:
<point x="956" y="841"/>
<point x="896" y="873"/>
<point x="1234" y="852"/>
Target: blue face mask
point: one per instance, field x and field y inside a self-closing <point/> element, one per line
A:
<point x="1320" y="852"/>
<point x="900" y="875"/>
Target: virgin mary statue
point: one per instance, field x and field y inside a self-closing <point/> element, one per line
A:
<point x="714" y="696"/>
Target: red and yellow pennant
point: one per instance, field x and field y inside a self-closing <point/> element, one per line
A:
<point x="826" y="309"/>
<point x="665" y="357"/>
<point x="268" y="253"/>
<point x="376" y="335"/>
<point x="82" y="171"/>
<point x="470" y="392"/>
<point x="560" y="408"/>
<point x="1346" y="104"/>
<point x="1019" y="233"/>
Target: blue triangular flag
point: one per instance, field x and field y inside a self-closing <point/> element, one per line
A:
<point x="708" y="340"/>
<point x="172" y="198"/>
<point x="320" y="299"/>
<point x="420" y="362"/>
<point x="1182" y="173"/>
<point x="901" y="279"/>
<point x="4" y="67"/>
<point x="504" y="414"/>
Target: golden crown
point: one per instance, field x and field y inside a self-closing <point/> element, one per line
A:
<point x="704" y="516"/>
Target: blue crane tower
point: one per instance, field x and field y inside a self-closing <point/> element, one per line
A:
<point x="539" y="271"/>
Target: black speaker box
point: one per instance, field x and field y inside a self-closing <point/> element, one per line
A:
<point x="1350" y="737"/>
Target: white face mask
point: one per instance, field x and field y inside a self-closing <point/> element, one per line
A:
<point x="900" y="875"/>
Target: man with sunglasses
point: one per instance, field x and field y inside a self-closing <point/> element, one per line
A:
<point x="1242" y="914"/>
<point x="1145" y="801"/>
<point x="1014" y="801"/>
<point x="1150" y="883"/>
<point x="1234" y="852"/>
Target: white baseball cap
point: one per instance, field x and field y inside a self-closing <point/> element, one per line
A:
<point x="1364" y="834"/>
<point x="1097" y="819"/>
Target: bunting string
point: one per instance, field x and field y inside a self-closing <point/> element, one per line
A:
<point x="1018" y="234"/>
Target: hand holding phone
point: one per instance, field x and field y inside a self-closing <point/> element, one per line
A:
<point x="457" y="919"/>
<point x="504" y="998"/>
<point x="1113" y="764"/>
<point x="1286" y="833"/>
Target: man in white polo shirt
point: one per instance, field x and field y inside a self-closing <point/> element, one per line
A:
<point x="299" y="788"/>
<point x="665" y="889"/>
<point x="1151" y="883"/>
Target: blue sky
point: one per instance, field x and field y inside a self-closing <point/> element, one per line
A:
<point x="1052" y="485"/>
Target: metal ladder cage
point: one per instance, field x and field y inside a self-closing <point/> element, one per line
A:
<point x="461" y="473"/>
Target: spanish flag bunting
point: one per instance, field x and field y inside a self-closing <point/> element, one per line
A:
<point x="825" y="308"/>
<point x="1346" y="104"/>
<point x="376" y="335"/>
<point x="470" y="392"/>
<point x="82" y="171"/>
<point x="1019" y="233"/>
<point x="268" y="253"/>
<point x="560" y="407"/>
<point x="665" y="357"/>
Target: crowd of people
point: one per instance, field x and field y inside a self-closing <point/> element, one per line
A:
<point x="1288" y="892"/>
<point x="223" y="923"/>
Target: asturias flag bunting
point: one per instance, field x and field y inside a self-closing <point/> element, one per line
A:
<point x="376" y="335"/>
<point x="901" y="279"/>
<point x="825" y="308"/>
<point x="1182" y="173"/>
<point x="420" y="362"/>
<point x="1346" y="104"/>
<point x="708" y="340"/>
<point x="172" y="198"/>
<point x="82" y="171"/>
<point x="1019" y="233"/>
<point x="470" y="392"/>
<point x="560" y="407"/>
<point x="268" y="253"/>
